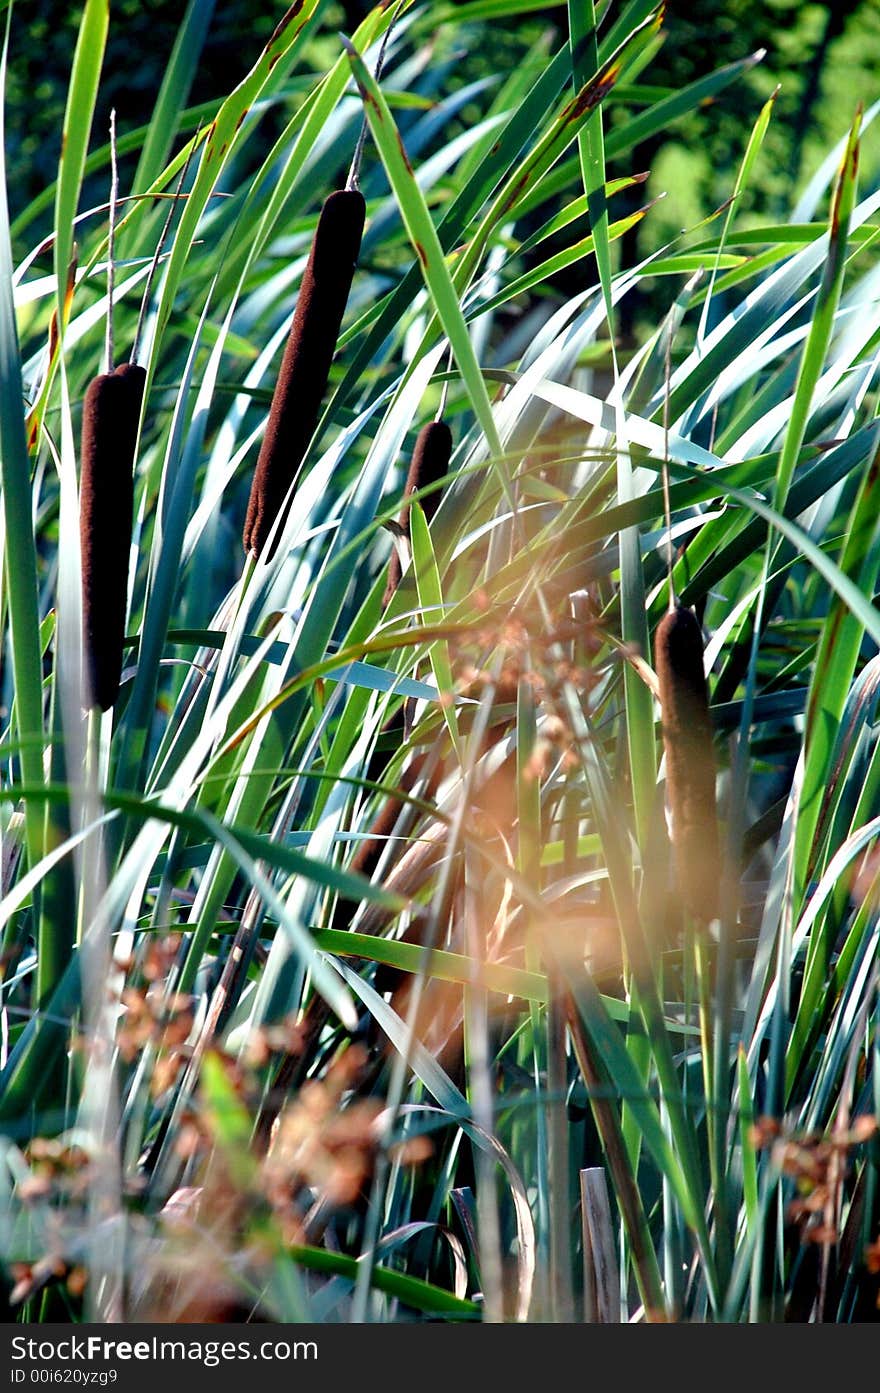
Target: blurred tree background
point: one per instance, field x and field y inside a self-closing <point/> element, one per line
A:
<point x="822" y="57"/>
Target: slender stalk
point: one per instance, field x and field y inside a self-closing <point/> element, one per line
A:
<point x="480" y="1092"/>
<point x="160" y="247"/>
<point x="560" y="1201"/>
<point x="632" y="1209"/>
<point x="111" y="242"/>
<point x="440" y="909"/>
<point x="20" y="575"/>
<point x="353" y="180"/>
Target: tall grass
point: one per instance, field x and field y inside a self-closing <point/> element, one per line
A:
<point x="491" y="1068"/>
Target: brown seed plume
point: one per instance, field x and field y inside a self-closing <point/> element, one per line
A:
<point x="430" y="462"/>
<point x="305" y="367"/>
<point x="690" y="762"/>
<point x="111" y="411"/>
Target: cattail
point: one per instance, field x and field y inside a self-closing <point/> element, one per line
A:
<point x="305" y="367"/>
<point x="366" y="857"/>
<point x="370" y="848"/>
<point x="690" y="763"/>
<point x="111" y="412"/>
<point x="430" y="463"/>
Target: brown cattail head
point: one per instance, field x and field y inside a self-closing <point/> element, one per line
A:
<point x="111" y="412"/>
<point x="305" y="367"/>
<point x="430" y="463"/>
<point x="690" y="762"/>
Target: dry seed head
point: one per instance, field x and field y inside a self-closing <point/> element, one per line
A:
<point x="111" y="412"/>
<point x="305" y="367"/>
<point x="690" y="762"/>
<point x="430" y="463"/>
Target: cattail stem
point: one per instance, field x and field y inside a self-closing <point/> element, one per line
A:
<point x="690" y="763"/>
<point x="667" y="510"/>
<point x="111" y="240"/>
<point x="430" y="463"/>
<point x="353" y="180"/>
<point x="305" y="367"/>
<point x="111" y="413"/>
<point x="163" y="236"/>
<point x="444" y="390"/>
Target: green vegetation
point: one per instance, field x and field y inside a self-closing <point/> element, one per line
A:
<point x="349" y="971"/>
